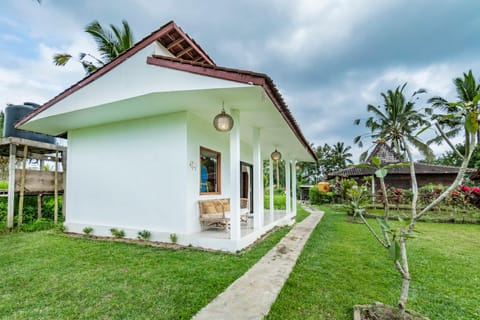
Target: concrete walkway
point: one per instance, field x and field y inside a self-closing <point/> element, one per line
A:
<point x="252" y="295"/>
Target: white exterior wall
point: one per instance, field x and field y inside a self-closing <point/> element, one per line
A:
<point x="129" y="175"/>
<point x="202" y="134"/>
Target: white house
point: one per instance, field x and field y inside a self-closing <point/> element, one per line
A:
<point x="139" y="127"/>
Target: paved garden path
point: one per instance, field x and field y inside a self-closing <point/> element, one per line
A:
<point x="252" y="295"/>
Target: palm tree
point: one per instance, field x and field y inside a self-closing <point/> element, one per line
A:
<point x="468" y="93"/>
<point x="341" y="156"/>
<point x="110" y="45"/>
<point x="396" y="120"/>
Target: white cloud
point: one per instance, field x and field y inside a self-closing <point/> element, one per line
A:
<point x="37" y="80"/>
<point x="309" y="45"/>
<point x="321" y="29"/>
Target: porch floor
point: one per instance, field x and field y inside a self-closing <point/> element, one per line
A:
<point x="246" y="228"/>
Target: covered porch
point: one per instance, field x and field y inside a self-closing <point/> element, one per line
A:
<point x="246" y="228"/>
<point x="221" y="239"/>
<point x="260" y="144"/>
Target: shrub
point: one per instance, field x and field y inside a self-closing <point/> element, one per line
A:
<point x="61" y="228"/>
<point x="117" y="233"/>
<point x="318" y="197"/>
<point x="87" y="231"/>
<point x="38" y="225"/>
<point x="30" y="208"/>
<point x="144" y="235"/>
<point x="173" y="237"/>
<point x="314" y="195"/>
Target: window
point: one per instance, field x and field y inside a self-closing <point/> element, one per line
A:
<point x="210" y="171"/>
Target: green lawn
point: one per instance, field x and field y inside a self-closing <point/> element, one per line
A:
<point x="44" y="275"/>
<point x="50" y="276"/>
<point x="279" y="201"/>
<point x="342" y="265"/>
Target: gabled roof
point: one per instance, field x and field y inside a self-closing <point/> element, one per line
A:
<point x="384" y="153"/>
<point x="189" y="57"/>
<point x="171" y="36"/>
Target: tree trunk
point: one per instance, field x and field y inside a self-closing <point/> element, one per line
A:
<point x="385" y="197"/>
<point x="402" y="303"/>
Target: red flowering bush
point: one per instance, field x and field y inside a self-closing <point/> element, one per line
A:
<point x="455" y="193"/>
<point x="476" y="190"/>
<point x="472" y="193"/>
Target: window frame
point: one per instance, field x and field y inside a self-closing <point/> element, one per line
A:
<point x="218" y="168"/>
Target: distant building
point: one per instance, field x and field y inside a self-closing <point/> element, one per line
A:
<point x="475" y="175"/>
<point x="399" y="177"/>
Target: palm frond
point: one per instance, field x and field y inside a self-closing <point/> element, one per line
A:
<point x="88" y="66"/>
<point x="61" y="59"/>
<point x="363" y="156"/>
<point x="103" y="38"/>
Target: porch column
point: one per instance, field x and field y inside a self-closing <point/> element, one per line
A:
<point x="288" y="190"/>
<point x="294" y="187"/>
<point x="257" y="181"/>
<point x="235" y="233"/>
<point x="64" y="199"/>
<point x="270" y="177"/>
<point x="11" y="185"/>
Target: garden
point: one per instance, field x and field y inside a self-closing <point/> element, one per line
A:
<point x="459" y="206"/>
<point x="342" y="266"/>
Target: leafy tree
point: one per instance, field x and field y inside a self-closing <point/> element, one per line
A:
<point x="307" y="172"/>
<point x="452" y="158"/>
<point x="110" y="43"/>
<point x="333" y="158"/>
<point x="340" y="155"/>
<point x="396" y="122"/>
<point x="330" y="158"/>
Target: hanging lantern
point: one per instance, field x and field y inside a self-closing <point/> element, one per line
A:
<point x="223" y="122"/>
<point x="276" y="155"/>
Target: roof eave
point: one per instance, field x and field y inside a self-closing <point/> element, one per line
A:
<point x="242" y="76"/>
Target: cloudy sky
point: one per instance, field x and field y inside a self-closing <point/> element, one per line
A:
<point x="329" y="58"/>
